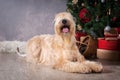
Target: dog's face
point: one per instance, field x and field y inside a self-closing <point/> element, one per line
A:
<point x="64" y="24"/>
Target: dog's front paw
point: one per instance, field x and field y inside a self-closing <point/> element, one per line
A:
<point x="84" y="69"/>
<point x="96" y="67"/>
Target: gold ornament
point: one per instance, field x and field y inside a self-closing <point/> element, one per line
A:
<point x="79" y="27"/>
<point x="75" y="1"/>
<point x="109" y="12"/>
<point x="95" y="3"/>
<point x="68" y="10"/>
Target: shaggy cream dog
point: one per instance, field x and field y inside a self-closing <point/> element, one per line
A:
<point x="60" y="50"/>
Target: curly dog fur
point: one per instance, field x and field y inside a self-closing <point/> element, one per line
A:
<point x="60" y="50"/>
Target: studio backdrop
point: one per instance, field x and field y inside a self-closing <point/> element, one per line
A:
<point x="23" y="19"/>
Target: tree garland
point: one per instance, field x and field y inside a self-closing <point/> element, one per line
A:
<point x="94" y="15"/>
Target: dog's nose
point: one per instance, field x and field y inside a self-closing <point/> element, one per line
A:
<point x="64" y="21"/>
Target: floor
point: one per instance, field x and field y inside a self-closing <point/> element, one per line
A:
<point x="13" y="67"/>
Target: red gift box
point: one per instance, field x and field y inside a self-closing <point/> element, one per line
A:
<point x="109" y="44"/>
<point x="108" y="54"/>
<point x="112" y="33"/>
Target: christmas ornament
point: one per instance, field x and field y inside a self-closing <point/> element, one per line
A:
<point x="97" y="18"/>
<point x="96" y="14"/>
<point x="79" y="34"/>
<point x="109" y="12"/>
<point x="95" y="3"/>
<point x="74" y="7"/>
<point x="75" y="1"/>
<point x="111" y="34"/>
<point x="79" y="27"/>
<point x="93" y="33"/>
<point x="84" y="15"/>
<point x="102" y="1"/>
<point x="107" y="28"/>
<point x="68" y="10"/>
<point x="82" y="4"/>
<point x="114" y="19"/>
<point x="118" y="30"/>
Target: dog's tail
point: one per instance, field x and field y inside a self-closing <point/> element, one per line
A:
<point x="20" y="54"/>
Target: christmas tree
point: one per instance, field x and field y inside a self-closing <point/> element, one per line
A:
<point x="95" y="15"/>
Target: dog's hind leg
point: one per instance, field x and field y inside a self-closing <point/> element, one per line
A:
<point x="34" y="57"/>
<point x="78" y="67"/>
<point x="34" y="50"/>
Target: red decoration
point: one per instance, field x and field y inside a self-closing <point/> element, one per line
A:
<point x="114" y="19"/>
<point x="84" y="15"/>
<point x="118" y="30"/>
<point x="109" y="44"/>
<point x="112" y="33"/>
<point x="78" y="34"/>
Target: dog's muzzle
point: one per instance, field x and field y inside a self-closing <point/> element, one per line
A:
<point x="65" y="28"/>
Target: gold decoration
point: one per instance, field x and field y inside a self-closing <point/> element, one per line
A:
<point x="68" y="10"/>
<point x="95" y="3"/>
<point x="75" y="1"/>
<point x="109" y="12"/>
<point x="79" y="27"/>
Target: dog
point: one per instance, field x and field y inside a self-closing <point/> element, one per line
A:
<point x="59" y="50"/>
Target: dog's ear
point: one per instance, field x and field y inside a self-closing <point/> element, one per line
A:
<point x="54" y="19"/>
<point x="74" y="19"/>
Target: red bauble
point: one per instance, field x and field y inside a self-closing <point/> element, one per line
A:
<point x="114" y="19"/>
<point x="84" y="15"/>
<point x="79" y="34"/>
<point x="118" y="30"/>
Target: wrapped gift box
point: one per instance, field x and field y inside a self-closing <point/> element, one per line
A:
<point x="109" y="44"/>
<point x="108" y="54"/>
<point x="112" y="33"/>
<point x="118" y="30"/>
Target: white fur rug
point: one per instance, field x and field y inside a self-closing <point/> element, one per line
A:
<point x="11" y="46"/>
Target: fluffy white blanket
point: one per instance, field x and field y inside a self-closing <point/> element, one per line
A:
<point x="11" y="46"/>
